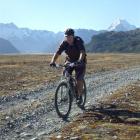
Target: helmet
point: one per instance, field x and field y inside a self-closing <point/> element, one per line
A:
<point x="69" y="31"/>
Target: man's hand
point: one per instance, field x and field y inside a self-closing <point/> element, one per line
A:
<point x="52" y="64"/>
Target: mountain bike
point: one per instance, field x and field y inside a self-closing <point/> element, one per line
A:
<point x="66" y="92"/>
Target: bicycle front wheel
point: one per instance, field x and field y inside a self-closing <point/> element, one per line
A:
<point x="63" y="100"/>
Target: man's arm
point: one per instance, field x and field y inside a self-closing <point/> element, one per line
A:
<point x="58" y="52"/>
<point x="82" y="55"/>
<point x="54" y="58"/>
<point x="80" y="44"/>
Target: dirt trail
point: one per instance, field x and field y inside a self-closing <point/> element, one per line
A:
<point x="32" y="115"/>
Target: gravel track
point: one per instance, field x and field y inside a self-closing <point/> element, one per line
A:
<point x="31" y="115"/>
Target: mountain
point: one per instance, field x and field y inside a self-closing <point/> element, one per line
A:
<point x="6" y="47"/>
<point x="41" y="41"/>
<point x="86" y="34"/>
<point x="115" y="42"/>
<point x="27" y="40"/>
<point x="121" y="25"/>
<point x="37" y="41"/>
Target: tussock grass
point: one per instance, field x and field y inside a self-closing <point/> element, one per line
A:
<point x="26" y="72"/>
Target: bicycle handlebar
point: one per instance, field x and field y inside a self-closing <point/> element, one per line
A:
<point x="73" y="64"/>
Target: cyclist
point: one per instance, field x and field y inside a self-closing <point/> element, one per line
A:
<point x="74" y="48"/>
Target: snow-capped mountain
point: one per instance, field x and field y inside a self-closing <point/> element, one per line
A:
<point x="32" y="41"/>
<point x="121" y="25"/>
<point x="27" y="40"/>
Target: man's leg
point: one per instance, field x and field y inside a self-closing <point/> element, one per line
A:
<point x="80" y="73"/>
<point x="69" y="70"/>
<point x="80" y="84"/>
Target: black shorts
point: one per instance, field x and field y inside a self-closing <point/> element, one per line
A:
<point x="79" y="71"/>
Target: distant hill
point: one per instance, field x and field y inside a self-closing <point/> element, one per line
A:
<point x="115" y="42"/>
<point x="7" y="47"/>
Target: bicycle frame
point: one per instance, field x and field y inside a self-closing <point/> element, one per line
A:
<point x="71" y="82"/>
<point x="68" y="77"/>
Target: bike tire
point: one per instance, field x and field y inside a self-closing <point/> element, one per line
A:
<point x="68" y="94"/>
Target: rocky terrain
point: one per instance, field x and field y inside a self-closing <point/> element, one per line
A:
<point x="31" y="115"/>
<point x="115" y="118"/>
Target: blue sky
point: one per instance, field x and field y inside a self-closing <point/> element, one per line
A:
<point x="56" y="15"/>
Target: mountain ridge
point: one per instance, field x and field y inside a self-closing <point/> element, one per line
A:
<point x="124" y="42"/>
<point x="43" y="41"/>
<point x="28" y="40"/>
<point x="7" y="47"/>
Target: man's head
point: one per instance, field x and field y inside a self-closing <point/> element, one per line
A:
<point x="69" y="35"/>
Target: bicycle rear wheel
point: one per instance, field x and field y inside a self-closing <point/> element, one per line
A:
<point x="63" y="100"/>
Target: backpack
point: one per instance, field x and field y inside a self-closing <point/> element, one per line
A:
<point x="79" y="40"/>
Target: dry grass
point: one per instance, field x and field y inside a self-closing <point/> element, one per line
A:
<point x="105" y="62"/>
<point x="25" y="72"/>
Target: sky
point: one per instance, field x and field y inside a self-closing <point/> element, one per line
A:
<point x="57" y="15"/>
